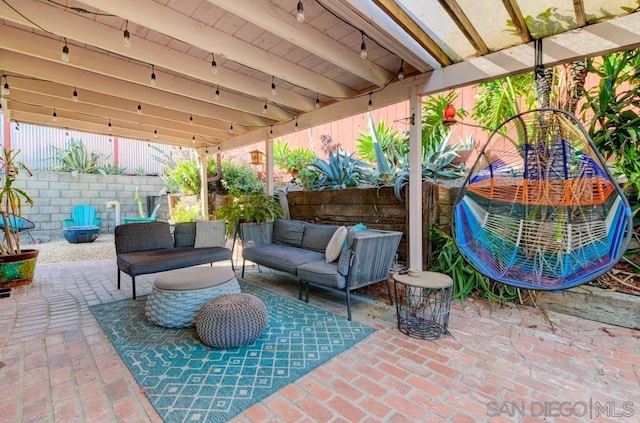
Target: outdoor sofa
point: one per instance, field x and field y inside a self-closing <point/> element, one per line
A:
<point x="143" y="248"/>
<point x="299" y="248"/>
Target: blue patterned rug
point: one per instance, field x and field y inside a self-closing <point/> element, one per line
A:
<point x="187" y="381"/>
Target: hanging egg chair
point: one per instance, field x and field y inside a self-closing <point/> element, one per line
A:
<point x="539" y="208"/>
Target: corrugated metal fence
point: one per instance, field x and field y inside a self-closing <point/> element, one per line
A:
<point x="39" y="145"/>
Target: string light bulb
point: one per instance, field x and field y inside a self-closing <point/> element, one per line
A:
<point x="317" y="101"/>
<point x="74" y="96"/>
<point x="193" y="139"/>
<point x="6" y="90"/>
<point x="217" y="94"/>
<point x="214" y="65"/>
<point x="370" y="105"/>
<point x="265" y="109"/>
<point x="300" y="12"/>
<point x="231" y="128"/>
<point x="152" y="79"/>
<point x="126" y="35"/>
<point x="109" y="124"/>
<point x="139" y="111"/>
<point x="273" y="86"/>
<point x="65" y="51"/>
<point x="271" y="130"/>
<point x="54" y="116"/>
<point x="155" y="132"/>
<point x="190" y="119"/>
<point x="296" y="127"/>
<point x="401" y="70"/>
<point x="363" y="47"/>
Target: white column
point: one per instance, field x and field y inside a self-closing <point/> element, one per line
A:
<point x="415" y="182"/>
<point x="204" y="186"/>
<point x="269" y="166"/>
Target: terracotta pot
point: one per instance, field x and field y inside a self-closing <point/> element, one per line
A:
<point x="18" y="270"/>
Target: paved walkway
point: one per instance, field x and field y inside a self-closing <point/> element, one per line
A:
<point x="499" y="364"/>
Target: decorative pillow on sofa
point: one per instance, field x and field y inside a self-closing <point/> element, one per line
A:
<point x="210" y="234"/>
<point x="288" y="232"/>
<point x="334" y="248"/>
<point x="184" y="234"/>
<point x="355" y="228"/>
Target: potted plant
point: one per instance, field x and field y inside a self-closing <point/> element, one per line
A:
<point x="249" y="208"/>
<point x="17" y="266"/>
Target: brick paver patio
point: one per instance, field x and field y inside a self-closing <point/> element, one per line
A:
<point x="498" y="364"/>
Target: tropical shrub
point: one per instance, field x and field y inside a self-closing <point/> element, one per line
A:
<point x="291" y="159"/>
<point x="240" y="178"/>
<point x="184" y="212"/>
<point x="340" y="171"/>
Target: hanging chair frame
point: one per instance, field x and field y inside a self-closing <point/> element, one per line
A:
<point x="626" y="236"/>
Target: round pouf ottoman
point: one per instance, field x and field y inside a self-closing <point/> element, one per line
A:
<point x="231" y="320"/>
<point x="178" y="294"/>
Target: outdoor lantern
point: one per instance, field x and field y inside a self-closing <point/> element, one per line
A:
<point x="256" y="157"/>
<point x="449" y="115"/>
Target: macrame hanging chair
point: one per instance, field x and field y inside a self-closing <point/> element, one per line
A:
<point x="539" y="208"/>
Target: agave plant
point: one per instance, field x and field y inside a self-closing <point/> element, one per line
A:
<point x="76" y="159"/>
<point x="340" y="171"/>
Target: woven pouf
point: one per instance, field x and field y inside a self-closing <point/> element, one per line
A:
<point x="178" y="294"/>
<point x="231" y="320"/>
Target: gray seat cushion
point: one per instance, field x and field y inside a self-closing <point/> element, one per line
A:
<point x="316" y="237"/>
<point x="322" y="273"/>
<point x="288" y="232"/>
<point x="143" y="262"/>
<point x="281" y="257"/>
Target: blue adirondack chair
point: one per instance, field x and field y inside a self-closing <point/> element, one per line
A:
<point x="152" y="218"/>
<point x="82" y="215"/>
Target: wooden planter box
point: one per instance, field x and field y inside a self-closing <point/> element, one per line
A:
<point x="593" y="303"/>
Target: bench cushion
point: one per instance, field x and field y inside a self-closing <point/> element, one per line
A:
<point x="193" y="278"/>
<point x="143" y="262"/>
<point x="184" y="234"/>
<point x="280" y="257"/>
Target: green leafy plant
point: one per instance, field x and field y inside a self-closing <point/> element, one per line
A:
<point x="11" y="200"/>
<point x="240" y="178"/>
<point x="75" y="159"/>
<point x="249" y="208"/>
<point x="183" y="212"/>
<point x="140" y="171"/>
<point x="112" y="169"/>
<point x="292" y="160"/>
<point x="340" y="171"/>
<point x="391" y="142"/>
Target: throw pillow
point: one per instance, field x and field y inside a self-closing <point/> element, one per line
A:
<point x="210" y="234"/>
<point x="334" y="248"/>
<point x="355" y="228"/>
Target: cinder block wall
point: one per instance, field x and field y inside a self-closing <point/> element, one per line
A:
<point x="55" y="194"/>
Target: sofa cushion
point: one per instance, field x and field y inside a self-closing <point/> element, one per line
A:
<point x="210" y="234"/>
<point x="142" y="237"/>
<point x="316" y="237"/>
<point x="184" y="234"/>
<point x="322" y="273"/>
<point x="344" y="261"/>
<point x="281" y="257"/>
<point x="335" y="246"/>
<point x="143" y="262"/>
<point x="288" y="232"/>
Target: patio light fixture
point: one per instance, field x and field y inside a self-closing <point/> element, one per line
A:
<point x="214" y="65"/>
<point x="152" y="79"/>
<point x="256" y="157"/>
<point x="300" y="12"/>
<point x="363" y="47"/>
<point x="126" y="35"/>
<point x="65" y="51"/>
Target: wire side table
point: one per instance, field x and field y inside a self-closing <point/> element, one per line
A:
<point x="423" y="303"/>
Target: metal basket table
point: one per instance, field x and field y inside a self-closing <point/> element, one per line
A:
<point x="423" y="302"/>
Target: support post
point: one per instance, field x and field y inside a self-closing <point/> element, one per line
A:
<point x="415" y="181"/>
